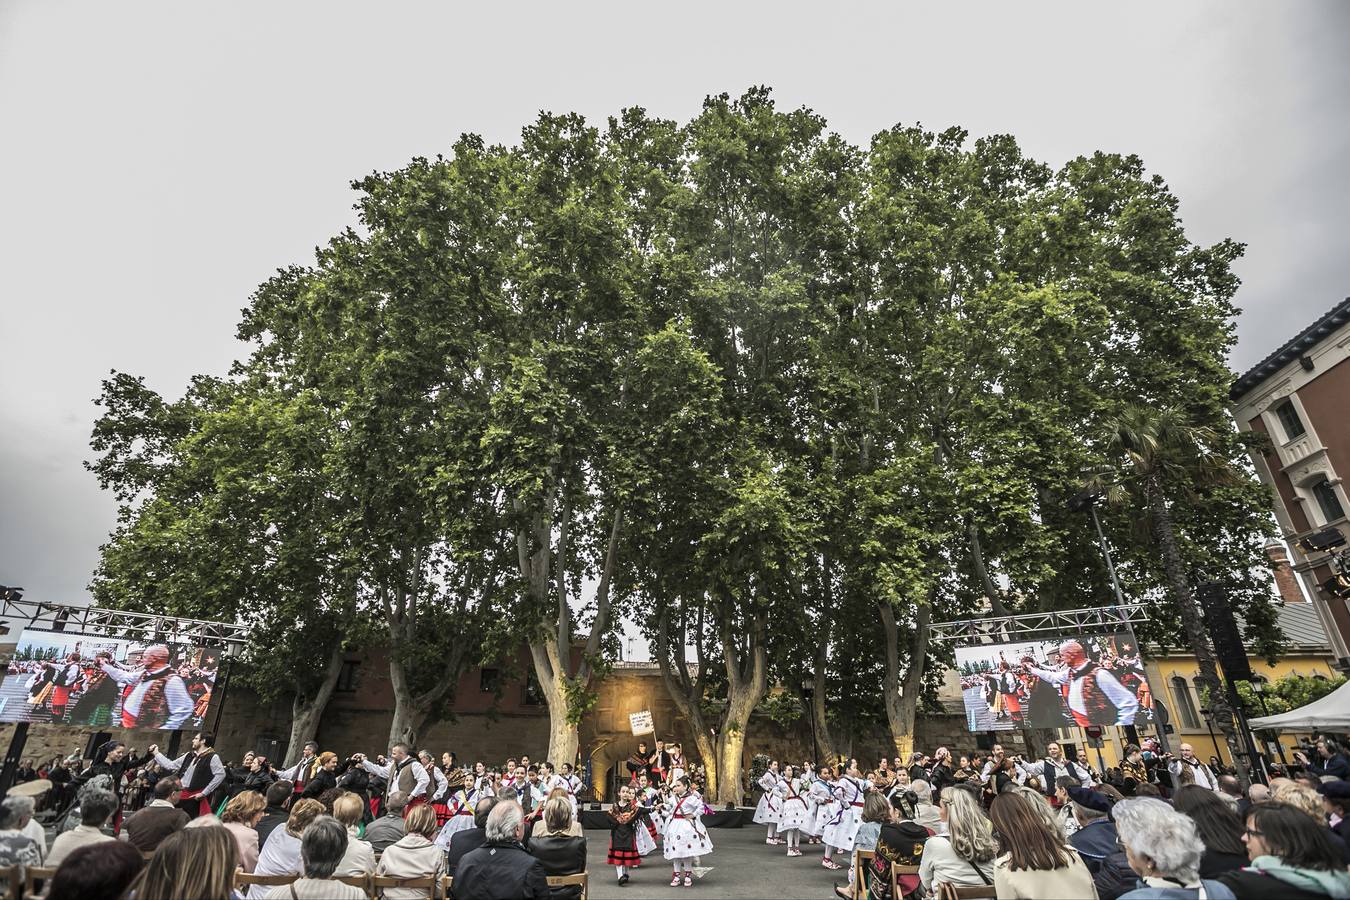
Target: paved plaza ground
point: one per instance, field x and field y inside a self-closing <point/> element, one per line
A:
<point x="741" y="866"/>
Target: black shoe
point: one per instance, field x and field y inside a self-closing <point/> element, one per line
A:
<point x="623" y="879"/>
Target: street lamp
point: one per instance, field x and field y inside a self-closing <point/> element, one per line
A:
<point x="1258" y="685"/>
<point x="809" y="693"/>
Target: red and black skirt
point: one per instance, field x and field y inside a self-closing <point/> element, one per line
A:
<point x="442" y="812"/>
<point x="623" y="856"/>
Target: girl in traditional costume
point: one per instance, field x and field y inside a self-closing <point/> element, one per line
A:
<point x="796" y="811"/>
<point x="625" y="822"/>
<point x="843" y="827"/>
<point x="769" y="808"/>
<point x="686" y="838"/>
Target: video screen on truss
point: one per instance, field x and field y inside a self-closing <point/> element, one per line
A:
<point x="80" y="679"/>
<point x="1092" y="679"/>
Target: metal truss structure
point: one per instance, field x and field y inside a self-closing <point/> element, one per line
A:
<point x="1061" y="623"/>
<point x="134" y="626"/>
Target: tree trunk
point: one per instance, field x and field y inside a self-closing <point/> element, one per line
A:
<point x="730" y="764"/>
<point x="902" y="697"/>
<point x="402" y="729"/>
<point x="307" y="708"/>
<point x="996" y="605"/>
<point x="1193" y="625"/>
<point x="825" y="748"/>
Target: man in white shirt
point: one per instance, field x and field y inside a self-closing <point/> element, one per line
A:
<point x="1095" y="695"/>
<point x="1049" y="769"/>
<point x="158" y="697"/>
<point x="300" y="773"/>
<point x="404" y="773"/>
<point x="995" y="760"/>
<point x="200" y="770"/>
<point x="1204" y="776"/>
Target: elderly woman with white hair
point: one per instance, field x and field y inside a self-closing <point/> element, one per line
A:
<point x="1164" y="849"/>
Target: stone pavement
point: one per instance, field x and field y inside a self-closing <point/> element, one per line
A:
<point x="741" y="866"/>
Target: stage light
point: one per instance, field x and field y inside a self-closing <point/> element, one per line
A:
<point x="1322" y="541"/>
<point x="10" y="594"/>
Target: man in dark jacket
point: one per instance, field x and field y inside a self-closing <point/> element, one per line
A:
<point x="470" y="839"/>
<point x="501" y="869"/>
<point x="278" y="796"/>
<point x="388" y="828"/>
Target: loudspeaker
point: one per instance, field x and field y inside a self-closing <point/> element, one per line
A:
<point x="1222" y="627"/>
<point x="96" y="740"/>
<point x="1322" y="541"/>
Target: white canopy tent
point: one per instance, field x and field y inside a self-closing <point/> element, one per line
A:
<point x="1331" y="713"/>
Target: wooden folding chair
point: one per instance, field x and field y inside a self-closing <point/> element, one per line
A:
<point x="896" y="871"/>
<point x="446" y="881"/>
<point x="33" y="876"/>
<point x="362" y="881"/>
<point x="428" y="883"/>
<point x="11" y="881"/>
<point x="947" y="891"/>
<point x="581" y="878"/>
<point x="862" y="860"/>
<point x="244" y="880"/>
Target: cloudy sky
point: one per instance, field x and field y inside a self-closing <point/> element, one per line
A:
<point x="162" y="159"/>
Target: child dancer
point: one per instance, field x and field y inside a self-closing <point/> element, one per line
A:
<point x="623" y="852"/>
<point x="843" y="827"/>
<point x="795" y="811"/>
<point x="686" y="838"/>
<point x="808" y="783"/>
<point x="827" y="808"/>
<point x="768" y="809"/>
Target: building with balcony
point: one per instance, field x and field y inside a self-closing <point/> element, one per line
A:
<point x="1299" y="398"/>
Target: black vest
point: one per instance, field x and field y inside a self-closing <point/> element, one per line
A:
<point x="201" y="772"/>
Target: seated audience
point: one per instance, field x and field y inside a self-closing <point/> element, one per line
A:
<point x="241" y="817"/>
<point x="359" y="858"/>
<point x="388" y="828"/>
<point x="97" y="808"/>
<point x="1336" y="799"/>
<point x="100" y="871"/>
<point x="278" y="796"/>
<point x="501" y="868"/>
<point x="321" y="848"/>
<point x="1219" y="828"/>
<point x="540" y="827"/>
<point x="280" y="854"/>
<point x="16" y="847"/>
<point x="1310" y="802"/>
<point x="147" y="828"/>
<point x="1034" y="861"/>
<point x="192" y="862"/>
<point x="965" y="854"/>
<point x="1095" y="838"/>
<point x="1290" y="858"/>
<point x="1067" y="820"/>
<point x="1164" y="848"/>
<point x="413" y="855"/>
<point x="925" y="813"/>
<point x="558" y="849"/>
<point x="470" y="838"/>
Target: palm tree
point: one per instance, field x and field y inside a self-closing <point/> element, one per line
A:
<point x="1161" y="450"/>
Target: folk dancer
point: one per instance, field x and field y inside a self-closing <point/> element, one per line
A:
<point x="155" y="695"/>
<point x="1045" y="700"/>
<point x="676" y="761"/>
<point x="660" y="764"/>
<point x="827" y="806"/>
<point x="769" y="809"/>
<point x="1095" y="696"/>
<point x="404" y="773"/>
<point x="201" y="772"/>
<point x="464" y="797"/>
<point x="300" y="773"/>
<point x="625" y="821"/>
<point x="573" y="785"/>
<point x="843" y="828"/>
<point x="65" y="676"/>
<point x="440" y="787"/>
<point x="551" y="781"/>
<point x="686" y="838"/>
<point x="532" y="796"/>
<point x="795" y="811"/>
<point x="99" y="697"/>
<point x="809" y="794"/>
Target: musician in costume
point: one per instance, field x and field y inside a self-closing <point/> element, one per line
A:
<point x="768" y="810"/>
<point x="155" y="696"/>
<point x="200" y="771"/>
<point x="686" y="838"/>
<point x="1095" y="696"/>
<point x="99" y="697"/>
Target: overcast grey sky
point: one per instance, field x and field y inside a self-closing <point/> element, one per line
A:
<point x="162" y="159"/>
